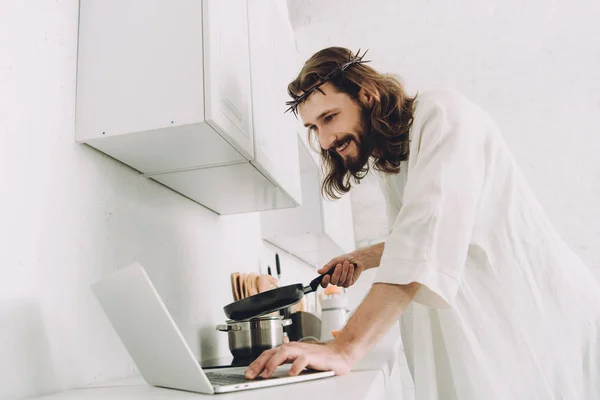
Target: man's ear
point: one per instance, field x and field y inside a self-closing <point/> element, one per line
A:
<point x="368" y="95"/>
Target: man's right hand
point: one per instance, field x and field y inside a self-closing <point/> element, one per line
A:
<point x="346" y="273"/>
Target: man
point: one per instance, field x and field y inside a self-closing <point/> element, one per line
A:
<point x="500" y="308"/>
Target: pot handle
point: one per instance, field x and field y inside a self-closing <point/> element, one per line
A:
<point x="286" y="322"/>
<point x="227" y="328"/>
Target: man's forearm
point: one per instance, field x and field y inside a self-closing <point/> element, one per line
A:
<point x="370" y="256"/>
<point x="373" y="318"/>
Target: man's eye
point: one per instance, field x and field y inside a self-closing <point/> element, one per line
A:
<point x="329" y="118"/>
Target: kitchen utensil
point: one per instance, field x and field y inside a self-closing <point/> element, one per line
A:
<point x="272" y="300"/>
<point x="253" y="336"/>
<point x="251" y="283"/>
<point x="265" y="282"/>
<point x="278" y="266"/>
<point x="243" y="291"/>
<point x="234" y="286"/>
<point x="239" y="286"/>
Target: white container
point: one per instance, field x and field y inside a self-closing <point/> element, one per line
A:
<point x="334" y="315"/>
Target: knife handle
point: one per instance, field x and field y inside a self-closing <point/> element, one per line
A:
<point x="277" y="265"/>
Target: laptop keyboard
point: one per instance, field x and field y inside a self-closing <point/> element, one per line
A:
<point x="223" y="378"/>
<point x="227" y="379"/>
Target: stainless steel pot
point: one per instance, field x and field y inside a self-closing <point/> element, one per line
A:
<point x="253" y="336"/>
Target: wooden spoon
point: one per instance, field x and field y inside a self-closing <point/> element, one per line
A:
<point x="243" y="291"/>
<point x="251" y="284"/>
<point x="234" y="284"/>
<point x="265" y="283"/>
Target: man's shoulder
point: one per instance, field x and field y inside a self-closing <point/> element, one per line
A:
<point x="451" y="103"/>
<point x="441" y="98"/>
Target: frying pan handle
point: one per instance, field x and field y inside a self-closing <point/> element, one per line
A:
<point x="314" y="284"/>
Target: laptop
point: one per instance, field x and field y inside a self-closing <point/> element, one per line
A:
<point x="158" y="348"/>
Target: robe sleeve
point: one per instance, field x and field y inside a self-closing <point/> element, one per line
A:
<point x="431" y="234"/>
<point x="390" y="207"/>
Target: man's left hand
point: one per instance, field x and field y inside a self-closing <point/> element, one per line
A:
<point x="322" y="357"/>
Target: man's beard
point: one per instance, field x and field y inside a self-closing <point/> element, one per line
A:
<point x="353" y="163"/>
<point x="356" y="163"/>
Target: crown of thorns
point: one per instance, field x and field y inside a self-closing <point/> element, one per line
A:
<point x="297" y="100"/>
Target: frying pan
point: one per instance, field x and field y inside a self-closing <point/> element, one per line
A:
<point x="271" y="300"/>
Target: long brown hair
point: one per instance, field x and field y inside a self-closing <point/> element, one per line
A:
<point x="386" y="123"/>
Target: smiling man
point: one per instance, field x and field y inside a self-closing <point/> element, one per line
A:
<point x="494" y="305"/>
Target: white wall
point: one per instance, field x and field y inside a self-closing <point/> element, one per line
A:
<point x="69" y="215"/>
<point x="534" y="65"/>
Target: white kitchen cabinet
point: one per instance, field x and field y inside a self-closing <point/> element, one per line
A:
<point x="227" y="72"/>
<point x="274" y="62"/>
<point x="166" y="88"/>
<point x="250" y="189"/>
<point x="319" y="229"/>
<point x="146" y="92"/>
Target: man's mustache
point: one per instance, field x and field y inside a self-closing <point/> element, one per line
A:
<point x="341" y="141"/>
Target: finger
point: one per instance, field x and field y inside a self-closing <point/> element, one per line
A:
<point x="350" y="276"/>
<point x="332" y="263"/>
<point x="325" y="268"/>
<point x="335" y="277"/>
<point x="258" y="365"/>
<point x="344" y="273"/>
<point x="299" y="364"/>
<point x="284" y="353"/>
<point x="325" y="281"/>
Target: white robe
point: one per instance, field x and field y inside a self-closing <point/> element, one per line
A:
<point x="506" y="310"/>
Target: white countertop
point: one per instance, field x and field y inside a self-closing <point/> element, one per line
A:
<point x="356" y="385"/>
<point x="368" y="380"/>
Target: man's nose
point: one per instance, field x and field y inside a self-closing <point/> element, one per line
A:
<point x="327" y="139"/>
